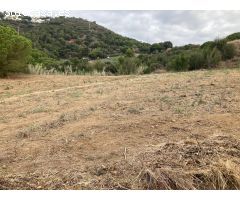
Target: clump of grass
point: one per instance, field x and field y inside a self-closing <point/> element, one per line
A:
<point x="223" y="175"/>
<point x="22" y="115"/>
<point x="76" y="94"/>
<point x="220" y="176"/>
<point x="92" y="109"/>
<point x="39" y="70"/>
<point x="99" y="91"/>
<point x="8" y="87"/>
<point x="3" y="119"/>
<point x="134" y="111"/>
<point x="39" y="109"/>
<point x="179" y="110"/>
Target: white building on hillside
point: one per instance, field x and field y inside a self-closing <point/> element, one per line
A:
<point x="37" y="20"/>
<point x="13" y="16"/>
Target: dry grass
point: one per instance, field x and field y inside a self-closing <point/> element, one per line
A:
<point x="162" y="131"/>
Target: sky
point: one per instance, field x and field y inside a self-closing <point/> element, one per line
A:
<point x="179" y="27"/>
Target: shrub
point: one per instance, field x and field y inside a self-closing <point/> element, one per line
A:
<point x="196" y="61"/>
<point x="81" y="65"/>
<point x="128" y="65"/>
<point x="180" y="63"/>
<point x="110" y="68"/>
<point x="219" y="44"/>
<point x="212" y="57"/>
<point x="50" y="63"/>
<point x="98" y="66"/>
<point x="129" y="52"/>
<point x="97" y="53"/>
<point x="14" y="51"/>
<point x="37" y="57"/>
<point x="228" y="51"/>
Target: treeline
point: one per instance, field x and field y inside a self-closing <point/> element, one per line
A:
<point x="128" y="62"/>
<point x="192" y="57"/>
<point x="185" y="58"/>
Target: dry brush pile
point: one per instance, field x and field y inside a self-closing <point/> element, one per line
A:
<point x="195" y="163"/>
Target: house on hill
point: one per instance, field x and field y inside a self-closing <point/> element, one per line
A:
<point x="12" y="16"/>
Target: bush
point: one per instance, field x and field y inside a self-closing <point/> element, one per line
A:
<point x="98" y="66"/>
<point x="14" y="51"/>
<point x="196" y="61"/>
<point x="128" y="65"/>
<point x="129" y="52"/>
<point x="97" y="53"/>
<point x="110" y="68"/>
<point x="80" y="65"/>
<point x="50" y="63"/>
<point x="228" y="51"/>
<point x="37" y="57"/>
<point x="219" y="44"/>
<point x="212" y="57"/>
<point x="180" y="63"/>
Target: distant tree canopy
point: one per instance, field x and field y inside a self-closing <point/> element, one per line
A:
<point x="14" y="51"/>
<point x="159" y="47"/>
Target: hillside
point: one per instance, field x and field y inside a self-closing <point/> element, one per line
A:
<point x="64" y="38"/>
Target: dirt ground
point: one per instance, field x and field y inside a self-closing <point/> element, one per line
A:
<point x="160" y="131"/>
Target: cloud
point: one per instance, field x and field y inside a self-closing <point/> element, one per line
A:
<point x="180" y="27"/>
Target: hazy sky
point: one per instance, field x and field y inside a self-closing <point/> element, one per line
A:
<point x="180" y="27"/>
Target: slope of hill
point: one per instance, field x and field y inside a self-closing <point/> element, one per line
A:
<point x="64" y="38"/>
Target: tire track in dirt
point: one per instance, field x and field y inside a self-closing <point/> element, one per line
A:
<point x="9" y="99"/>
<point x="13" y="98"/>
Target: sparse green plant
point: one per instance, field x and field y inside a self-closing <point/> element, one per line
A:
<point x="76" y="94"/>
<point x="133" y="111"/>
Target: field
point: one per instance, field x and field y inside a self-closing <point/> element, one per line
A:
<point x="159" y="131"/>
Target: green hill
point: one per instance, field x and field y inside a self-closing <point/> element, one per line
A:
<point x="64" y="38"/>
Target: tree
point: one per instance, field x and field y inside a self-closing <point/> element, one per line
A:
<point x="14" y="51"/>
<point x="97" y="53"/>
<point x="167" y="44"/>
<point x="159" y="47"/>
<point x="156" y="47"/>
<point x="129" y="52"/>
